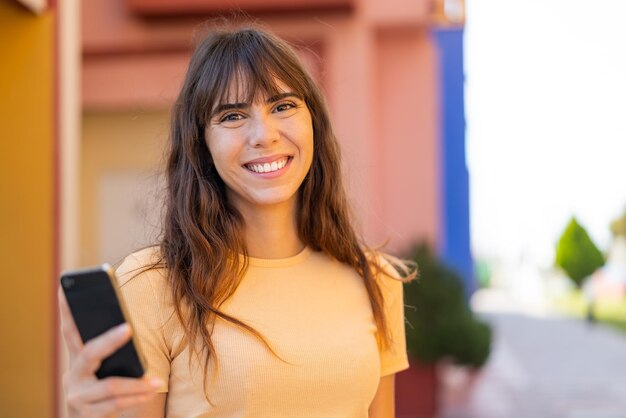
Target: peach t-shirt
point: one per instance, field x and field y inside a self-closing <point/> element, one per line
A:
<point x="312" y="309"/>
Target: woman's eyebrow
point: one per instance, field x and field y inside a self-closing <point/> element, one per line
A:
<point x="283" y="96"/>
<point x="229" y="106"/>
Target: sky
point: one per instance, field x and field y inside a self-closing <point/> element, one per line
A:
<point x="546" y="123"/>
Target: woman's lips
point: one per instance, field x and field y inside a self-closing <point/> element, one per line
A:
<point x="268" y="167"/>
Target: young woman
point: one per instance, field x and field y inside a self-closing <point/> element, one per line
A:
<point x="260" y="301"/>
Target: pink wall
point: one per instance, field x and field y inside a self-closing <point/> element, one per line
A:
<point x="407" y="143"/>
<point x="378" y="70"/>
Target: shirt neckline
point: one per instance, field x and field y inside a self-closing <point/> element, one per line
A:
<point x="281" y="262"/>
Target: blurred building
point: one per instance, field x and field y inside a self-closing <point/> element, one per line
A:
<point x="81" y="161"/>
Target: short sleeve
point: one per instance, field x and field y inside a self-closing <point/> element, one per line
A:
<point x="394" y="357"/>
<point x="142" y="292"/>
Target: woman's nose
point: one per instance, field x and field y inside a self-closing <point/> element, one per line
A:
<point x="263" y="131"/>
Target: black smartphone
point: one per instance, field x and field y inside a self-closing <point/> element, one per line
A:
<point x="96" y="307"/>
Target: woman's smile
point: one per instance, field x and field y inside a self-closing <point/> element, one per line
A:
<point x="269" y="167"/>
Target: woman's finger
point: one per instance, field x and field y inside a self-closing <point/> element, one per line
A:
<point x="101" y="347"/>
<point x="68" y="327"/>
<point x="111" y="387"/>
<point x="108" y="407"/>
<point x="111" y="406"/>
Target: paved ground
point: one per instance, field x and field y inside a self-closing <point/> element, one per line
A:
<point x="543" y="366"/>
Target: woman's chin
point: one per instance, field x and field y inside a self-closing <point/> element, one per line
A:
<point x="266" y="201"/>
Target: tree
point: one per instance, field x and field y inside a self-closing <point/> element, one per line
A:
<point x="576" y="253"/>
<point x="439" y="323"/>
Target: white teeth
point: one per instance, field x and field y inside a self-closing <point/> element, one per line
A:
<point x="267" y="167"/>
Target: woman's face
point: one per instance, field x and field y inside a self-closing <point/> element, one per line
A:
<point x="261" y="150"/>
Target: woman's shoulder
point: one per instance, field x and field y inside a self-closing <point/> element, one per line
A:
<point x="387" y="266"/>
<point x="145" y="265"/>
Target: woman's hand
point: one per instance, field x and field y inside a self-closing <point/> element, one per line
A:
<point x="86" y="395"/>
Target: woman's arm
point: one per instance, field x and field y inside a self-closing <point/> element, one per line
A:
<point x="383" y="405"/>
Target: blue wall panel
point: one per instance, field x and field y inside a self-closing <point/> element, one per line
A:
<point x="455" y="228"/>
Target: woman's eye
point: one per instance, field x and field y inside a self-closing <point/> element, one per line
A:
<point x="231" y="117"/>
<point x="284" y="106"/>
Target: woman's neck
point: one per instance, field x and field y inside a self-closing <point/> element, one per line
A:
<point x="271" y="232"/>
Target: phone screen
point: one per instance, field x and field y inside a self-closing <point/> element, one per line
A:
<point x="95" y="308"/>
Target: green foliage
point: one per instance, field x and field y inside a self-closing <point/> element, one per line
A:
<point x="576" y="253"/>
<point x="439" y="322"/>
<point x="618" y="226"/>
